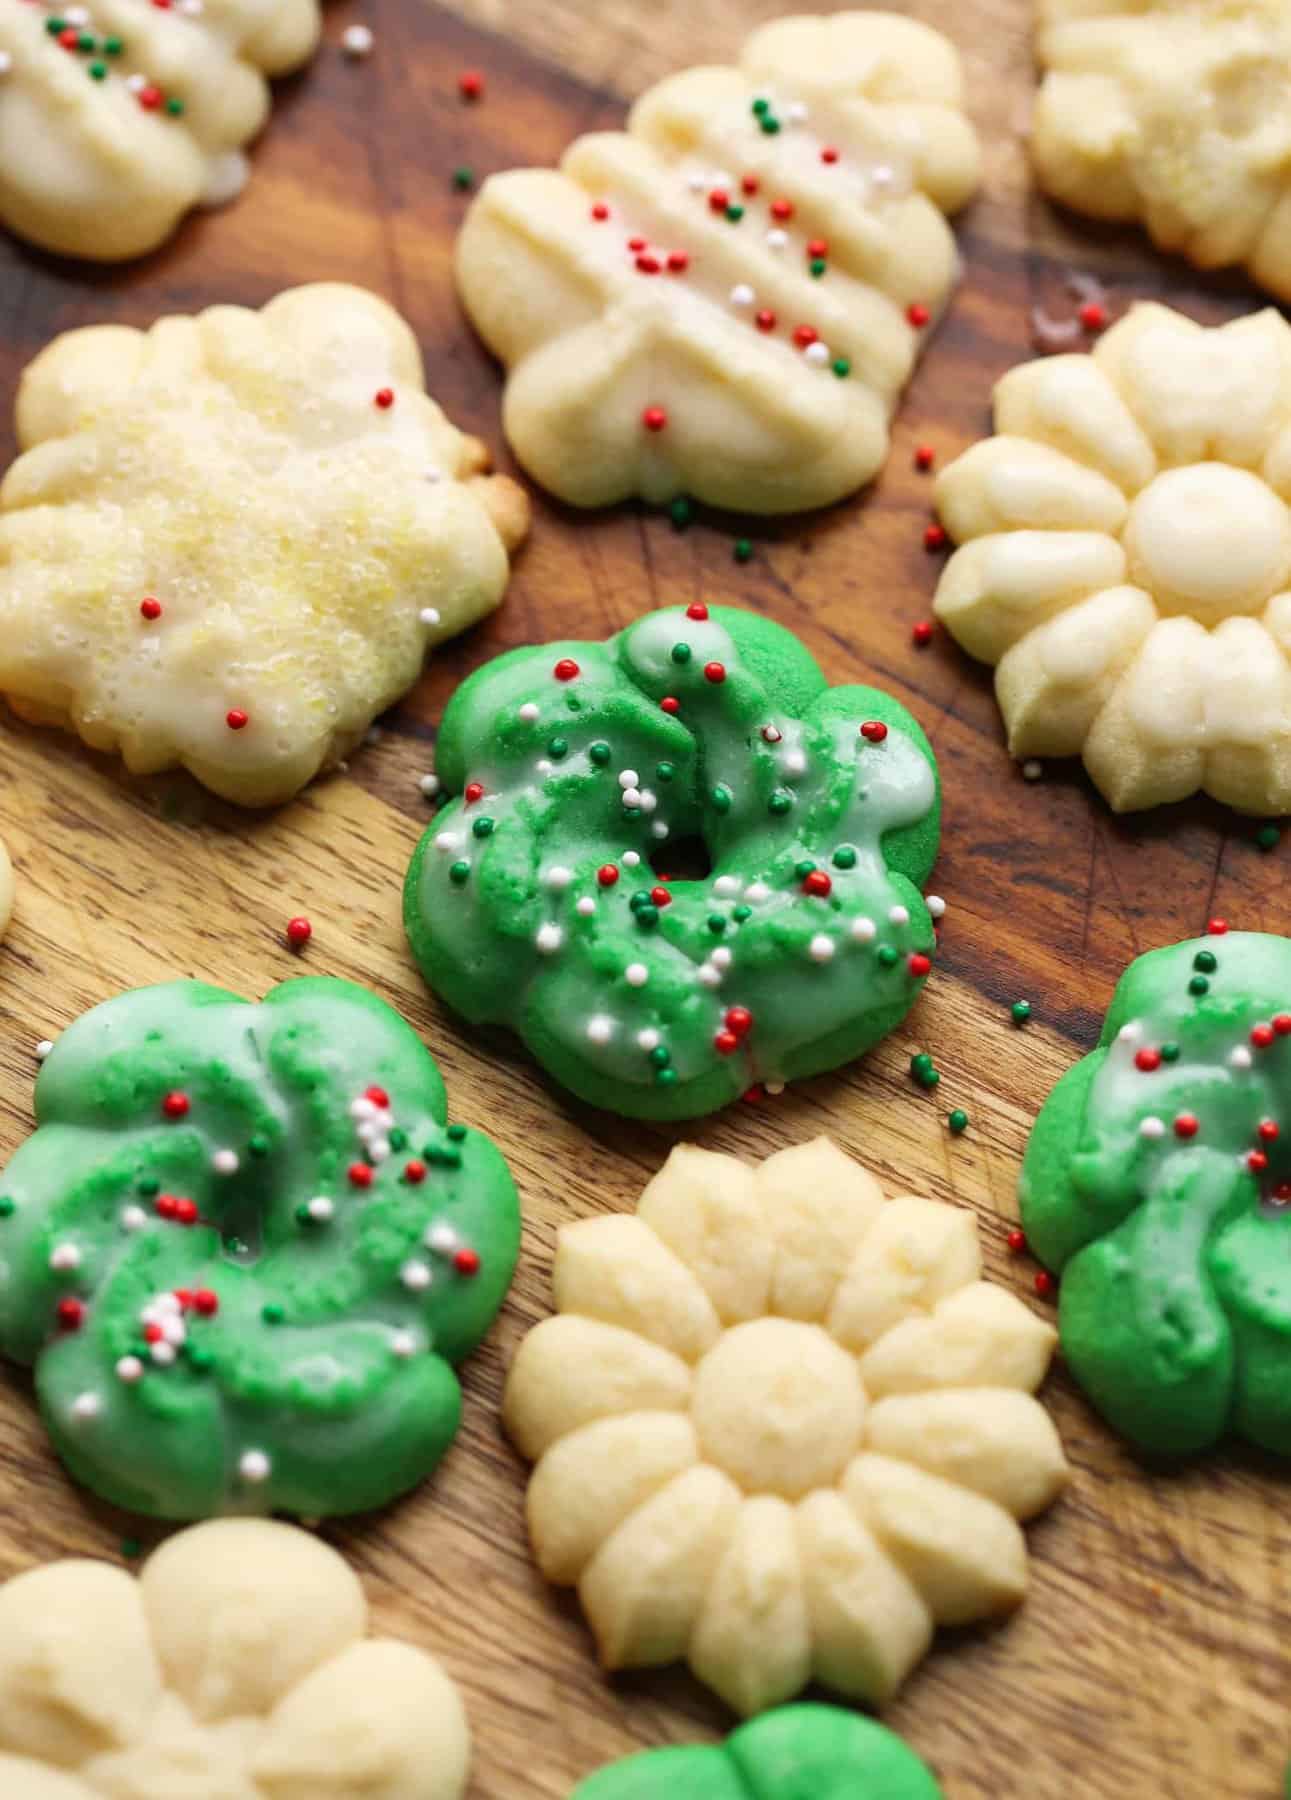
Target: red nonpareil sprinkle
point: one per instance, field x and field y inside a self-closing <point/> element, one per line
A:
<point x="715" y="672"/>
<point x="1185" y="1125"/>
<point x="782" y="209"/>
<point x="874" y="731"/>
<point x="924" y="456"/>
<point x="236" y="719"/>
<point x="697" y="611"/>
<point x="470" y="84"/>
<point x="750" y="184"/>
<point x="829" y="154"/>
<point x="1262" y="1036"/>
<point x="166" y="1206"/>
<point x="150" y="98"/>
<point x="678" y="261"/>
<point x="917" y="314"/>
<point x="473" y="791"/>
<point x="1217" y="927"/>
<point x="384" y="398"/>
<point x="175" y="1105"/>
<point x="804" y="336"/>
<point x="1257" y="1162"/>
<point x="1282" y="1191"/>
<point x="920" y="965"/>
<point x="566" y="669"/>
<point x="1269" y="1130"/>
<point x="1043" y="1282"/>
<point x="377" y="1095"/>
<point x="184" y="1296"/>
<point x="654" y="418"/>
<point x="1147" y="1060"/>
<point x="152" y="1334"/>
<point x="719" y="200"/>
<point x="1282" y="1024"/>
<point x="648" y="265"/>
<point x="299" y="932"/>
<point x="817" y="248"/>
<point x="1016" y="1241"/>
<point x="922" y="632"/>
<point x="69" y="37"/>
<point x="725" y="1043"/>
<point x="466" y="1262"/>
<point x="771" y="734"/>
<point x="186" y="1212"/>
<point x="755" y="1095"/>
<point x="207" y="1302"/>
<point x="70" y="1314"/>
<point x="607" y="874"/>
<point x="636" y="243"/>
<point x="659" y="896"/>
<point x="670" y="704"/>
<point x="934" y="537"/>
<point x="817" y="883"/>
<point x="360" y="1175"/>
<point x="764" y="319"/>
<point x="739" y="1020"/>
<point x="600" y="212"/>
<point x="150" y="608"/>
<point x="414" y="1171"/>
<point x="1093" y="316"/>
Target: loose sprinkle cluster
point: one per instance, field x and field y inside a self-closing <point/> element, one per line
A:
<point x="73" y="30"/>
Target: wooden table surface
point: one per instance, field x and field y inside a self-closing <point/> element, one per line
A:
<point x="1150" y="1659"/>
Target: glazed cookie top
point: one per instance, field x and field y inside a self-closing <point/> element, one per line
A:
<point x="726" y="299"/>
<point x="118" y="116"/>
<point x="542" y="897"/>
<point x="1126" y="559"/>
<point x="1174" y="115"/>
<point x="782" y="1427"/>
<point x="237" y="1667"/>
<point x="232" y="539"/>
<point x="243" y="1250"/>
<point x="797" y="1753"/>
<point x="1157" y="1182"/>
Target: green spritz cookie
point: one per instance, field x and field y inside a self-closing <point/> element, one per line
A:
<point x="1158" y="1183"/>
<point x="243" y="1251"/>
<point x="795" y="1753"/>
<point x="677" y="863"/>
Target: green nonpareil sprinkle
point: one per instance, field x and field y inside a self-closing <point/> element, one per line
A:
<point x="483" y="828"/>
<point x="887" y="956"/>
<point x="844" y="857"/>
<point x="743" y="550"/>
<point x="780" y="801"/>
<point x="681" y="512"/>
<point x="558" y="747"/>
<point x="463" y="179"/>
<point x="458" y="873"/>
<point x="735" y="212"/>
<point x="600" y="754"/>
<point x="958" y="1120"/>
<point x="1206" y="961"/>
<point x="1268" y="837"/>
<point x="1021" y="1010"/>
<point x="1198" y="985"/>
<point x="841" y="366"/>
<point x="817" y="266"/>
<point x="721" y="799"/>
<point x="681" y="653"/>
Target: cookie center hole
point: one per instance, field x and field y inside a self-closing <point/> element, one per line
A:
<point x="686" y="859"/>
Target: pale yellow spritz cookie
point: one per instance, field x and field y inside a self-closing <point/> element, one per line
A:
<point x="782" y="1427"/>
<point x="233" y="539"/>
<point x="726" y="299"/>
<point x="1178" y="115"/>
<point x="236" y="1667"/>
<point x="1126" y="559"/>
<point x="118" y="116"/>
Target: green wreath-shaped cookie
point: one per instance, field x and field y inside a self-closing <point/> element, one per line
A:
<point x="1158" y="1182"/>
<point x="585" y="773"/>
<point x="794" y="1753"/>
<point x="244" y="1251"/>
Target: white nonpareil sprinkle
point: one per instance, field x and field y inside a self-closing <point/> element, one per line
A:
<point x="796" y="112"/>
<point x="898" y="915"/>
<point x="648" y="800"/>
<point x="709" y="975"/>
<point x="776" y="238"/>
<point x="726" y="887"/>
<point x="632" y="796"/>
<point x="254" y="1465"/>
<point x="1129" y="1034"/>
<point x="356" y="41"/>
<point x="136" y="83"/>
<point x="756" y="892"/>
<point x="65" y="1256"/>
<point x="721" y="958"/>
<point x="6" y="62"/>
<point x="863" y="930"/>
<point x="1241" y="1058"/>
<point x="543" y="767"/>
<point x="530" y="711"/>
<point x="442" y="1239"/>
<point x="585" y="907"/>
<point x="794" y="762"/>
<point x="1152" y="1128"/>
<point x="363" y="1108"/>
<point x="818" y="354"/>
<point x="321" y="1208"/>
<point x="133" y="1218"/>
<point x="445" y="840"/>
<point x="630" y="859"/>
<point x="415" y="1276"/>
<point x="86" y="1406"/>
<point x="162" y="1353"/>
<point x="628" y="778"/>
<point x="129" y="1369"/>
<point x="696" y="182"/>
<point x="659" y="829"/>
<point x="429" y="615"/>
<point x="225" y="1162"/>
<point x="403" y="1344"/>
<point x="43" y="1048"/>
<point x="558" y="877"/>
<point x="378" y="1149"/>
<point x="636" y="974"/>
<point x="648" y="1039"/>
<point x="429" y="785"/>
<point x="821" y="948"/>
<point x="1032" y="769"/>
<point x="548" y="938"/>
<point x="600" y="1029"/>
<point x="742" y="294"/>
<point x="936" y="906"/>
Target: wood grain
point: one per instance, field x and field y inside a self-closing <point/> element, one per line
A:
<point x="1152" y="1658"/>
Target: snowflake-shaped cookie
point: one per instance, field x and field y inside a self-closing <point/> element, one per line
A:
<point x="232" y="539"/>
<point x="727" y="299"/>
<point x="1178" y="115"/>
<point x="1127" y="559"/>
<point x="118" y="116"/>
<point x="237" y="1667"/>
<point x="782" y="1427"/>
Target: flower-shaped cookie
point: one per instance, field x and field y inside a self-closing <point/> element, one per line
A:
<point x="232" y="540"/>
<point x="1175" y="115"/>
<point x="1127" y="559"/>
<point x="118" y="116"/>
<point x="727" y="299"/>
<point x="796" y="1753"/>
<point x="782" y="1427"/>
<point x="237" y="1667"/>
<point x="1157" y="1182"/>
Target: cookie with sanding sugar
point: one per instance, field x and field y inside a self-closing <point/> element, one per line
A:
<point x="243" y="1251"/>
<point x="118" y="117"/>
<point x="557" y="892"/>
<point x="234" y="538"/>
<point x="726" y="299"/>
<point x="795" y="1753"/>
<point x="1157" y="1183"/>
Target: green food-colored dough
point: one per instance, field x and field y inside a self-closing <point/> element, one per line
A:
<point x="1172" y="1243"/>
<point x="322" y="1380"/>
<point x="667" y="1000"/>
<point x="794" y="1753"/>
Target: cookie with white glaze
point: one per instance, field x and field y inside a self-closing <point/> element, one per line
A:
<point x="1178" y="117"/>
<point x="782" y="1427"/>
<point x="726" y="299"/>
<point x="236" y="1667"/>
<point x="544" y="896"/>
<point x="1125" y="559"/>
<point x="118" y="117"/>
<point x="232" y="539"/>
